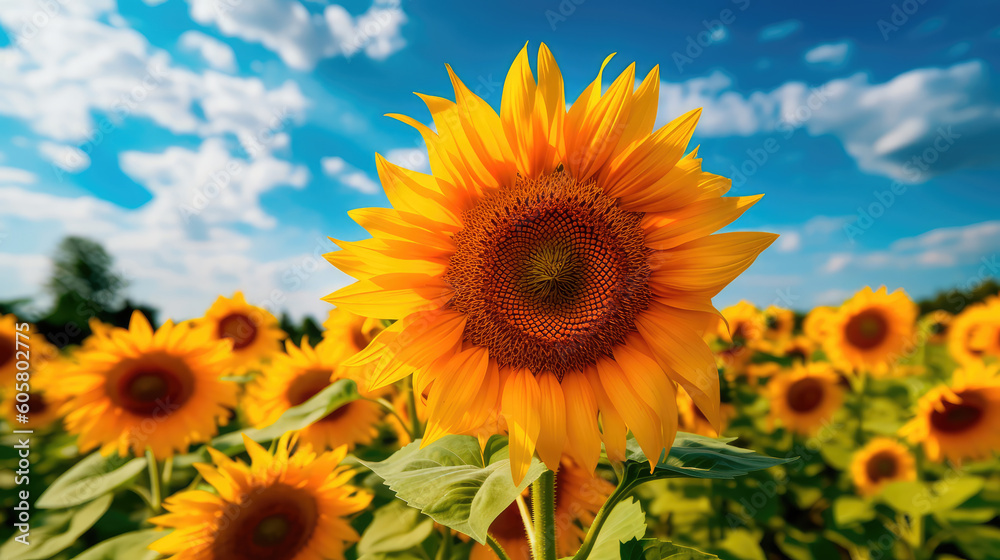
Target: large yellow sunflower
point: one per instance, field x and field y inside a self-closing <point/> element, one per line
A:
<point x="872" y="330"/>
<point x="806" y="398"/>
<point x="254" y="331"/>
<point x="974" y="334"/>
<point x="556" y="266"/>
<point x="293" y="378"/>
<point x="285" y="506"/>
<point x="129" y="389"/>
<point x="881" y="461"/>
<point x="962" y="421"/>
<point x="579" y="494"/>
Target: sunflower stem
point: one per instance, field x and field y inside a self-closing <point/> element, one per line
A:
<point x="497" y="549"/>
<point x="168" y="472"/>
<point x="862" y="388"/>
<point x="444" y="551"/>
<point x="411" y="408"/>
<point x="387" y="406"/>
<point x="154" y="480"/>
<point x="526" y="520"/>
<point x="543" y="497"/>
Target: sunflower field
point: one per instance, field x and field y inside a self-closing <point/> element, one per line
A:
<point x="527" y="363"/>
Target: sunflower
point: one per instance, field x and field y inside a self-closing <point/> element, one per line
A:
<point x="579" y="494"/>
<point x="935" y="326"/>
<point x="974" y="334"/>
<point x="254" y="331"/>
<point x="133" y="388"/>
<point x="805" y="398"/>
<point x="352" y="331"/>
<point x="961" y="421"/>
<point x="778" y="322"/>
<point x="882" y="461"/>
<point x="556" y="268"/>
<point x="293" y="378"/>
<point x="32" y="348"/>
<point x="872" y="330"/>
<point x="740" y="333"/>
<point x="285" y="506"/>
<point x="817" y="323"/>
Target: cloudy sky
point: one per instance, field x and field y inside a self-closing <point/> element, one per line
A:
<point x="213" y="145"/>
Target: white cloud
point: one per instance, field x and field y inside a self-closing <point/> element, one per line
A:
<point x="302" y="38"/>
<point x="835" y="296"/>
<point x="919" y="124"/>
<point x="411" y="158"/>
<point x="216" y="53"/>
<point x="939" y="248"/>
<point x="833" y="54"/>
<point x="349" y="176"/>
<point x="779" y="30"/>
<point x="68" y="158"/>
<point x="56" y="86"/>
<point x="789" y="242"/>
<point x="10" y="175"/>
<point x="209" y="186"/>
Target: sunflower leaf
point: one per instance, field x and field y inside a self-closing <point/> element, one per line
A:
<point x="626" y="522"/>
<point x="91" y="478"/>
<point x="132" y="545"/>
<point x="395" y="527"/>
<point x="326" y="401"/>
<point x="454" y="482"/>
<point x="694" y="456"/>
<point x="653" y="549"/>
<point x="57" y="532"/>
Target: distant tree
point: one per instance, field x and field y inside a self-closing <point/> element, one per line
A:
<point x="308" y="327"/>
<point x="956" y="300"/>
<point x="83" y="267"/>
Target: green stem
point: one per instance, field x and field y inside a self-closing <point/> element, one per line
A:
<point x="862" y="388"/>
<point x="444" y="551"/>
<point x="543" y="498"/>
<point x="168" y="472"/>
<point x="497" y="549"/>
<point x="154" y="480"/>
<point x="602" y="516"/>
<point x="411" y="408"/>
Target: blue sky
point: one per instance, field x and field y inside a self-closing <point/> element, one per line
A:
<point x="212" y="145"/>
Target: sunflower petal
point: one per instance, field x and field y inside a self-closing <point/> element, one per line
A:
<point x="552" y="438"/>
<point x="521" y="401"/>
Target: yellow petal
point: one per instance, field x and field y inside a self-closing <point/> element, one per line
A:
<point x="521" y="400"/>
<point x="706" y="265"/>
<point x="639" y="417"/>
<point x="457" y="386"/>
<point x="392" y="296"/>
<point x="552" y="438"/>
<point x="613" y="429"/>
<point x="665" y="230"/>
<point x="429" y="337"/>
<point x="582" y="432"/>
<point x="594" y="123"/>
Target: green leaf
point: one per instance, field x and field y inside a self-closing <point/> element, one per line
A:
<point x="59" y="532"/>
<point x="848" y="510"/>
<point x="980" y="543"/>
<point x="133" y="546"/>
<point x="455" y="483"/>
<point x="625" y="523"/>
<point x="653" y="549"/>
<point x="91" y="478"/>
<point x="741" y="544"/>
<point x="918" y="498"/>
<point x="326" y="401"/>
<point x="695" y="456"/>
<point x="395" y="527"/>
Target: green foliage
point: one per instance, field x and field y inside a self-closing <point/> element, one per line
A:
<point x="454" y="483"/>
<point x="129" y="545"/>
<point x="58" y="532"/>
<point x="653" y="549"/>
<point x="91" y="478"/>
<point x="396" y="528"/>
